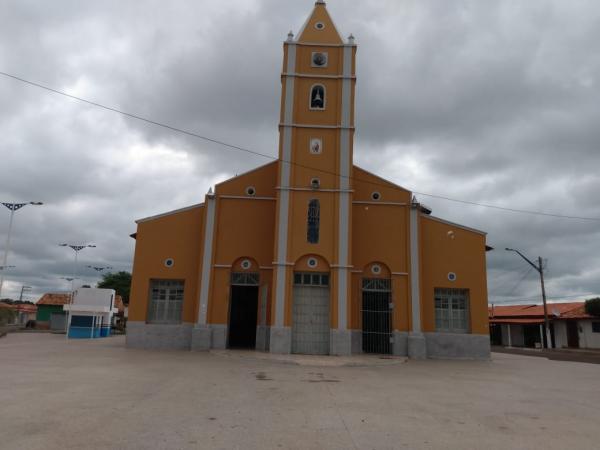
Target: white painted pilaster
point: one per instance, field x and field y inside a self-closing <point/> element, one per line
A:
<point x="415" y="276"/>
<point x="284" y="194"/>
<point x="344" y="186"/>
<point x="209" y="230"/>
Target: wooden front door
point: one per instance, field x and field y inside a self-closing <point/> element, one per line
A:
<point x="572" y="334"/>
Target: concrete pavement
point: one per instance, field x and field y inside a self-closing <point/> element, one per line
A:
<point x="58" y="394"/>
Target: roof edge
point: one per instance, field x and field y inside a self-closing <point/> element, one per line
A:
<point x="454" y="224"/>
<point x="169" y="213"/>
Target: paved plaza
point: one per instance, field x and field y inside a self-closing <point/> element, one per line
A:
<point x="59" y="394"/>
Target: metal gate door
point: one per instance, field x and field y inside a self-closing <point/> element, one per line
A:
<point x="376" y="316"/>
<point x="310" y="327"/>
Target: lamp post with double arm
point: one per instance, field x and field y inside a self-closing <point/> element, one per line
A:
<point x="12" y="207"/>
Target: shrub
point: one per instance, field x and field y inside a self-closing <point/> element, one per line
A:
<point x="592" y="306"/>
<point x="7" y="316"/>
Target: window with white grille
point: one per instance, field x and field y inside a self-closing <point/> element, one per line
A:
<point x="452" y="310"/>
<point x="166" y="301"/>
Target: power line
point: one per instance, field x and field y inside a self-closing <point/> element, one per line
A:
<point x="264" y="155"/>
<point x="538" y="297"/>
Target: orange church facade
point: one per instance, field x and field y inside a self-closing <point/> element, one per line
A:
<point x="311" y="254"/>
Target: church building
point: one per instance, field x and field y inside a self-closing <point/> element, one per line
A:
<point x="311" y="254"/>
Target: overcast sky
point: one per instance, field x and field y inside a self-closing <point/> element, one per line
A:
<point x="492" y="101"/>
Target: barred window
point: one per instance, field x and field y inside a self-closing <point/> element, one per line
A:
<point x="376" y="284"/>
<point x="311" y="279"/>
<point x="314" y="217"/>
<point x="452" y="310"/>
<point x="244" y="279"/>
<point x="166" y="301"/>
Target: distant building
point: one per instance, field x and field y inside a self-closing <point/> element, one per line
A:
<point x="311" y="254"/>
<point x="90" y="313"/>
<point x="522" y="326"/>
<point x="50" y="313"/>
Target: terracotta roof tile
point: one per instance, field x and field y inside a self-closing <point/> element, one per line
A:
<point x="532" y="312"/>
<point x="54" y="299"/>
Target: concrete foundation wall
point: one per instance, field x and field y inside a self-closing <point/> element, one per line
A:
<point x="400" y="345"/>
<point x="159" y="337"/>
<point x="356" y="344"/>
<point x="457" y="346"/>
<point x="340" y="342"/>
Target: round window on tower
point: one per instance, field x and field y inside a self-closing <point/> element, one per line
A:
<point x="169" y="262"/>
<point x="251" y="191"/>
<point x="312" y="263"/>
<point x="320" y="26"/>
<point x="376" y="196"/>
<point x="319" y="59"/>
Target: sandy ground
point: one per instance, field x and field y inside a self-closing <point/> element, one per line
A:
<point x="59" y="394"/>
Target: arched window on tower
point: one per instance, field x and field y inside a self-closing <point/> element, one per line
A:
<point x="314" y="217"/>
<point x="317" y="97"/>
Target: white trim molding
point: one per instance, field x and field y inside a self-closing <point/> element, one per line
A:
<point x="324" y="127"/>
<point x="376" y="203"/>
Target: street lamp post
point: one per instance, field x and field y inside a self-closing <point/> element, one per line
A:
<point x="539" y="269"/>
<point x="12" y="207"/>
<point x="77" y="248"/>
<point x="99" y="269"/>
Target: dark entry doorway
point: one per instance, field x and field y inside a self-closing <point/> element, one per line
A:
<point x="572" y="334"/>
<point x="376" y="316"/>
<point x="243" y="317"/>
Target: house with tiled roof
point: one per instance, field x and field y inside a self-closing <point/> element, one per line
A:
<point x="50" y="314"/>
<point x="522" y="325"/>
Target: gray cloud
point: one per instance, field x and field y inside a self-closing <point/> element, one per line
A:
<point x="490" y="101"/>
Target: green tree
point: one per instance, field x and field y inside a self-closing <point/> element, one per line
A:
<point x="592" y="306"/>
<point x="119" y="281"/>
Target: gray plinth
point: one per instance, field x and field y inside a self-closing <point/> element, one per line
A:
<point x="458" y="346"/>
<point x="356" y="341"/>
<point x="417" y="346"/>
<point x="280" y="340"/>
<point x="340" y="343"/>
<point x="400" y="345"/>
<point x="201" y="338"/>
<point x="263" y="333"/>
<point x="159" y="337"/>
<point x="218" y="336"/>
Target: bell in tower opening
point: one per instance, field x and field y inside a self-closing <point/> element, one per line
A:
<point x="317" y="97"/>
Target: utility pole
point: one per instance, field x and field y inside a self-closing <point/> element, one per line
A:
<point x="539" y="267"/>
<point x="23" y="289"/>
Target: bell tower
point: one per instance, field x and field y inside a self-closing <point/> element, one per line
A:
<point x="315" y="168"/>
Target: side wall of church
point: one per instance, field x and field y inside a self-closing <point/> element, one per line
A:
<point x="176" y="236"/>
<point x="446" y="248"/>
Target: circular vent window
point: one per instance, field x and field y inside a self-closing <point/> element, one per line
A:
<point x="320" y="26"/>
<point x="376" y="196"/>
<point x="376" y="269"/>
<point x="312" y="262"/>
<point x="250" y="190"/>
<point x="246" y="264"/>
<point x="169" y="262"/>
<point x="452" y="276"/>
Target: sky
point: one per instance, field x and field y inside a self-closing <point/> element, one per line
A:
<point x="488" y="101"/>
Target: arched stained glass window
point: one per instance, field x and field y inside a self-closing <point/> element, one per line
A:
<point x="317" y="97"/>
<point x="314" y="216"/>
